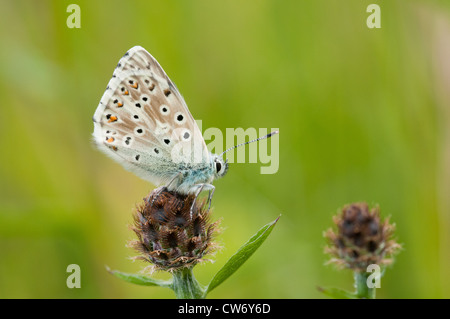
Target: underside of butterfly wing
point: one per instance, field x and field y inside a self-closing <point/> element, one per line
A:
<point x="143" y="122"/>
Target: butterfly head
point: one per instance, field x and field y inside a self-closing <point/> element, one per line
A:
<point x="220" y="166"/>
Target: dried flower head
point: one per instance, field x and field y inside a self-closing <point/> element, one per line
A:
<point x="168" y="236"/>
<point x="361" y="238"/>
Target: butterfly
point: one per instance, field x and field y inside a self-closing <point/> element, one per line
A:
<point x="143" y="123"/>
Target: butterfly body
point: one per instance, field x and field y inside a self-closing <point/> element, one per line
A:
<point x="143" y="122"/>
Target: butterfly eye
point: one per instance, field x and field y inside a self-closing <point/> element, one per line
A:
<point x="218" y="167"/>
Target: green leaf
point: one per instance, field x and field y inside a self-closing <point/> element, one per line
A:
<point x="241" y="256"/>
<point x="140" y="279"/>
<point x="337" y="293"/>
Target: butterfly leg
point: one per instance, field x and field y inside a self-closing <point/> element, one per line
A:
<point x="202" y="187"/>
<point x="165" y="188"/>
<point x="177" y="177"/>
<point x="210" y="195"/>
<point x="158" y="192"/>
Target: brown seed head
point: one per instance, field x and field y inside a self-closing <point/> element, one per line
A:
<point x="168" y="236"/>
<point x="361" y="238"/>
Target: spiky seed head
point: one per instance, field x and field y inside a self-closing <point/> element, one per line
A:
<point x="168" y="235"/>
<point x="360" y="238"/>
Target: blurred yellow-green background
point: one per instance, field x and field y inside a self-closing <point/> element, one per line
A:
<point x="363" y="115"/>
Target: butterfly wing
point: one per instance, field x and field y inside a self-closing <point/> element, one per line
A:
<point x="143" y="122"/>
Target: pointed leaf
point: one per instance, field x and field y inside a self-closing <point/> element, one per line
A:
<point x="140" y="279"/>
<point x="241" y="256"/>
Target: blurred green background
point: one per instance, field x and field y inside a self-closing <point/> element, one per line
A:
<point x="363" y="116"/>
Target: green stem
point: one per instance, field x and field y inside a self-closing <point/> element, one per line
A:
<point x="185" y="285"/>
<point x="362" y="290"/>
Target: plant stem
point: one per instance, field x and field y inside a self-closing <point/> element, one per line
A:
<point x="362" y="290"/>
<point x="185" y="285"/>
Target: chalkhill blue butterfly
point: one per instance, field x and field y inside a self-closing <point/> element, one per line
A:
<point x="143" y="122"/>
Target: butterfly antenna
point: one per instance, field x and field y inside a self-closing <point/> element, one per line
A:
<point x="255" y="140"/>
